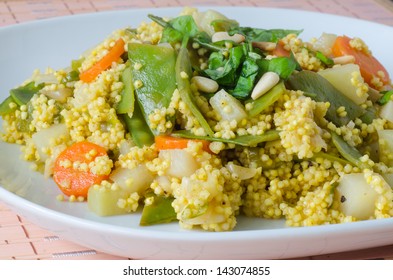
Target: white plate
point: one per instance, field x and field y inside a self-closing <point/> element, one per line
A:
<point x="56" y="42"/>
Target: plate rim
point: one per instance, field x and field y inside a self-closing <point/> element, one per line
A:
<point x="9" y="197"/>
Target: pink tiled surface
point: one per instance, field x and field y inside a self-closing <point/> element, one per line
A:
<point x="20" y="239"/>
<point x="16" y="11"/>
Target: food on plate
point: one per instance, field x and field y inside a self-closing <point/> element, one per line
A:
<point x="197" y="119"/>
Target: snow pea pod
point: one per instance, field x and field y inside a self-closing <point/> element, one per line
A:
<point x="158" y="212"/>
<point x="348" y="152"/>
<point x="266" y="100"/>
<point x="23" y="94"/>
<point x="5" y="106"/>
<point x="244" y="140"/>
<point x="153" y="75"/>
<point x="324" y="91"/>
<point x="138" y="128"/>
<point x="126" y="104"/>
<point x="183" y="76"/>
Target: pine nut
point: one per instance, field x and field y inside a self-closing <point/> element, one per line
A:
<point x="264" y="46"/>
<point x="205" y="84"/>
<point x="265" y="83"/>
<point x="345" y="59"/>
<point x="221" y="36"/>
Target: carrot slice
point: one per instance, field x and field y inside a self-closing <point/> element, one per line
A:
<point x="104" y="63"/>
<point x="71" y="171"/>
<point x="280" y="50"/>
<point x="167" y="142"/>
<point x="368" y="64"/>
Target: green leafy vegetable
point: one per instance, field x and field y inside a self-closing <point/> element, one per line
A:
<point x="224" y="71"/>
<point x="283" y="66"/>
<point x="177" y="28"/>
<point x="245" y="83"/>
<point x="263" y="35"/>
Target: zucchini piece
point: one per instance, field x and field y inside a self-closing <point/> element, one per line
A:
<point x="102" y="200"/>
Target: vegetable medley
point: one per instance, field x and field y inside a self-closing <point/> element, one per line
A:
<point x="199" y="120"/>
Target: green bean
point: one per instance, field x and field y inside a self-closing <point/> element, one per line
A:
<point x="183" y="76"/>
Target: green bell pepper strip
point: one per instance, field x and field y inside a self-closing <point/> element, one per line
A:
<point x="156" y="75"/>
<point x="244" y="140"/>
<point x="183" y="66"/>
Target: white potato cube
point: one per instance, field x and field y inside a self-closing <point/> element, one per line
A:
<point x="387" y="111"/>
<point x="324" y="43"/>
<point x="133" y="180"/>
<point x="357" y="197"/>
<point x="227" y="106"/>
<point x="45" y="138"/>
<point x="181" y="162"/>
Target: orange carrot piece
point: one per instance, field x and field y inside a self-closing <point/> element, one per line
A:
<point x="368" y="64"/>
<point x="167" y="142"/>
<point x="74" y="180"/>
<point x="280" y="50"/>
<point x="104" y="63"/>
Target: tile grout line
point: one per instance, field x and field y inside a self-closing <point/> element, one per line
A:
<point x="11" y="12"/>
